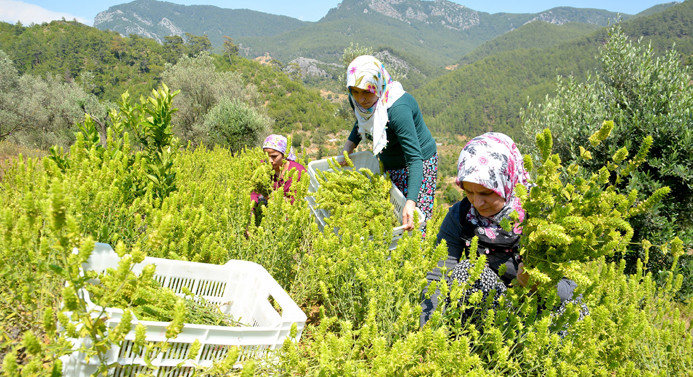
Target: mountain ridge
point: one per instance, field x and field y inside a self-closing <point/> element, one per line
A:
<point x="158" y="19"/>
<point x="488" y="91"/>
<point x="446" y="30"/>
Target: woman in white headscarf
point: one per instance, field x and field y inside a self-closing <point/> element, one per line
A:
<point x="391" y="118"/>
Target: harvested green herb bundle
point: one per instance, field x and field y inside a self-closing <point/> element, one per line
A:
<point x="152" y="302"/>
<point x="355" y="193"/>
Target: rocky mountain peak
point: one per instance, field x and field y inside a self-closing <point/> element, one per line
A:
<point x="450" y="15"/>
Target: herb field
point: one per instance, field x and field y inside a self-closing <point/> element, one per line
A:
<point x="144" y="194"/>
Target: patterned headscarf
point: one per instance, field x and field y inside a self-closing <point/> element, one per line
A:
<point x="279" y="144"/>
<point x="493" y="161"/>
<point x="368" y="73"/>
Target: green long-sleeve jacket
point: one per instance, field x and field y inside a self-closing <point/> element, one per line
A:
<point x="409" y="142"/>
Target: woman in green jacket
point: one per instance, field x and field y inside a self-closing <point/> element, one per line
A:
<point x="391" y="119"/>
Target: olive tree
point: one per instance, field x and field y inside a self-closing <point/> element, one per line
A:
<point x="202" y="87"/>
<point x="9" y="84"/>
<point x="644" y="95"/>
<point x="39" y="112"/>
<point x="233" y="124"/>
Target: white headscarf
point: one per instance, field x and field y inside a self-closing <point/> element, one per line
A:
<point x="368" y="73"/>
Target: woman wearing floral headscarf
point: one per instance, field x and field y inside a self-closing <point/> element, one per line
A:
<point x="391" y="118"/>
<point x="488" y="170"/>
<point x="276" y="148"/>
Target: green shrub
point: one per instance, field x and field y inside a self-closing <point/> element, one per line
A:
<point x="202" y="87"/>
<point x="362" y="298"/>
<point x="38" y="112"/>
<point x="232" y="124"/>
<point x="645" y="95"/>
<point x="571" y="219"/>
<point x="360" y="330"/>
<point x="107" y="193"/>
<point x="451" y="195"/>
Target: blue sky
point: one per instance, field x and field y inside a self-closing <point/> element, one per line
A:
<point x="37" y="11"/>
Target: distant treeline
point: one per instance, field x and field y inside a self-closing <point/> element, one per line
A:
<point x="487" y="90"/>
<point x="55" y="73"/>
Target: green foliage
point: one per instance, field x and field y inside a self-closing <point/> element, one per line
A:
<point x="575" y="216"/>
<point x="70" y="50"/>
<point x="363" y="299"/>
<point x="537" y="34"/>
<point x="451" y="194"/>
<point x="106" y="193"/>
<point x="233" y="124"/>
<point x="149" y="301"/>
<point x="645" y="95"/>
<point x="261" y="180"/>
<point x="80" y="319"/>
<point x="488" y="94"/>
<point x="360" y="194"/>
<point x="292" y="106"/>
<point x="664" y="25"/>
<point x="630" y="318"/>
<point x="353" y="51"/>
<point x="105" y="64"/>
<point x="230" y="48"/>
<point x="489" y="91"/>
<point x="197" y="44"/>
<point x="356" y="332"/>
<point x="150" y="121"/>
<point x="38" y="112"/>
<point x="208" y="219"/>
<point x="355" y="281"/>
<point x="202" y="88"/>
<point x="480" y="95"/>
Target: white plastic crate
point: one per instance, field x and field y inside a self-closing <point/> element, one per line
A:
<point x="364" y="159"/>
<point x="241" y="289"/>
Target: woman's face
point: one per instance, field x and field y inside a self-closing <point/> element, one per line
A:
<point x="485" y="201"/>
<point x="364" y="98"/>
<point x="276" y="158"/>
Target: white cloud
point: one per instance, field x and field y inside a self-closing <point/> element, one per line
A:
<point x="12" y="11"/>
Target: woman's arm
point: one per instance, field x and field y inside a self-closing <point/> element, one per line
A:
<point x="522" y="276"/>
<point x="402" y="123"/>
<point x="349" y="147"/>
<point x="564" y="288"/>
<point x="351" y="143"/>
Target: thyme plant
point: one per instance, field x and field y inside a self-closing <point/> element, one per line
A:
<point x="575" y="216"/>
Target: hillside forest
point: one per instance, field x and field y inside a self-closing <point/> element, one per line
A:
<point x="148" y="146"/>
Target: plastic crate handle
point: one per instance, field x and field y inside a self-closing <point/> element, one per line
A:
<point x="290" y="312"/>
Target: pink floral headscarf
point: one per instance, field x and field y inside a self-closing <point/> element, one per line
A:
<point x="279" y="144"/>
<point x="493" y="161"/>
<point x="368" y="73"/>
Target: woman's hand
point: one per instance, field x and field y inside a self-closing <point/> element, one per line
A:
<point x="522" y="276"/>
<point x="408" y="215"/>
<point x="349" y="147"/>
